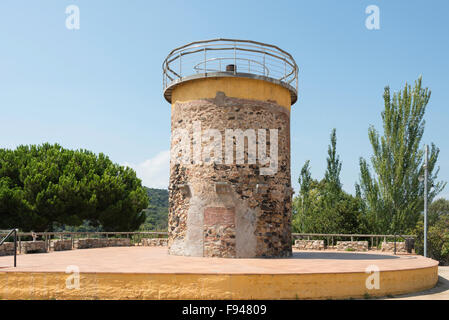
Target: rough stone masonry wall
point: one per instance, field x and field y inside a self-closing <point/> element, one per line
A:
<point x="309" y="244"/>
<point x="101" y="243"/>
<point x="246" y="220"/>
<point x="60" y="245"/>
<point x="389" y="246"/>
<point x="32" y="247"/>
<point x="7" y="249"/>
<point x="154" y="242"/>
<point x="352" y="245"/>
<point x="118" y="242"/>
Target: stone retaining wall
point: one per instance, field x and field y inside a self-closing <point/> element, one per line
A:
<point x="60" y="245"/>
<point x="87" y="243"/>
<point x="118" y="242"/>
<point x="101" y="243"/>
<point x="389" y="246"/>
<point x="352" y="245"/>
<point x="7" y="249"/>
<point x="32" y="247"/>
<point x="309" y="244"/>
<point x="154" y="242"/>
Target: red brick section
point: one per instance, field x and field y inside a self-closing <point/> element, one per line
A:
<point x="219" y="232"/>
<point x="219" y="216"/>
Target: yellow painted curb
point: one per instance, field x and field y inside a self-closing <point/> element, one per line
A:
<point x="53" y="285"/>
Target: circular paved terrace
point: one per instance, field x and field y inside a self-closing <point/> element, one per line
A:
<point x="150" y="273"/>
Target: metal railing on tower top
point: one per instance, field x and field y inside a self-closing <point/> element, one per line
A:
<point x="230" y="56"/>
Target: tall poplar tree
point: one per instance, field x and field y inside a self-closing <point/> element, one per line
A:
<point x="322" y="206"/>
<point x="333" y="170"/>
<point x="393" y="193"/>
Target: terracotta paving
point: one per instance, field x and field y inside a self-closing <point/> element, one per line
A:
<point x="157" y="260"/>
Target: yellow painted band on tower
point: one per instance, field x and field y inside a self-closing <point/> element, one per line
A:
<point x="241" y="88"/>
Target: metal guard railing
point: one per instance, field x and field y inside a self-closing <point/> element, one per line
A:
<point x="246" y="56"/>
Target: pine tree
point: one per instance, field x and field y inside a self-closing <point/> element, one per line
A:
<point x="43" y="186"/>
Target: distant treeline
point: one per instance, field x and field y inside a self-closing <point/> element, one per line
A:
<point x="157" y="211"/>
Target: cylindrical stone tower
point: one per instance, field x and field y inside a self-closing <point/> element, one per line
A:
<point x="230" y="188"/>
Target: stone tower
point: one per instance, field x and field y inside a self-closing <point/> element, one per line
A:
<point x="230" y="188"/>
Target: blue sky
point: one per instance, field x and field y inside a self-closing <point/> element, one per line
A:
<point x="100" y="87"/>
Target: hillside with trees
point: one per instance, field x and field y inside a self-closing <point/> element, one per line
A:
<point x="157" y="211"/>
<point x="156" y="215"/>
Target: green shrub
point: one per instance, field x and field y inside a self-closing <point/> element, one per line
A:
<point x="437" y="240"/>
